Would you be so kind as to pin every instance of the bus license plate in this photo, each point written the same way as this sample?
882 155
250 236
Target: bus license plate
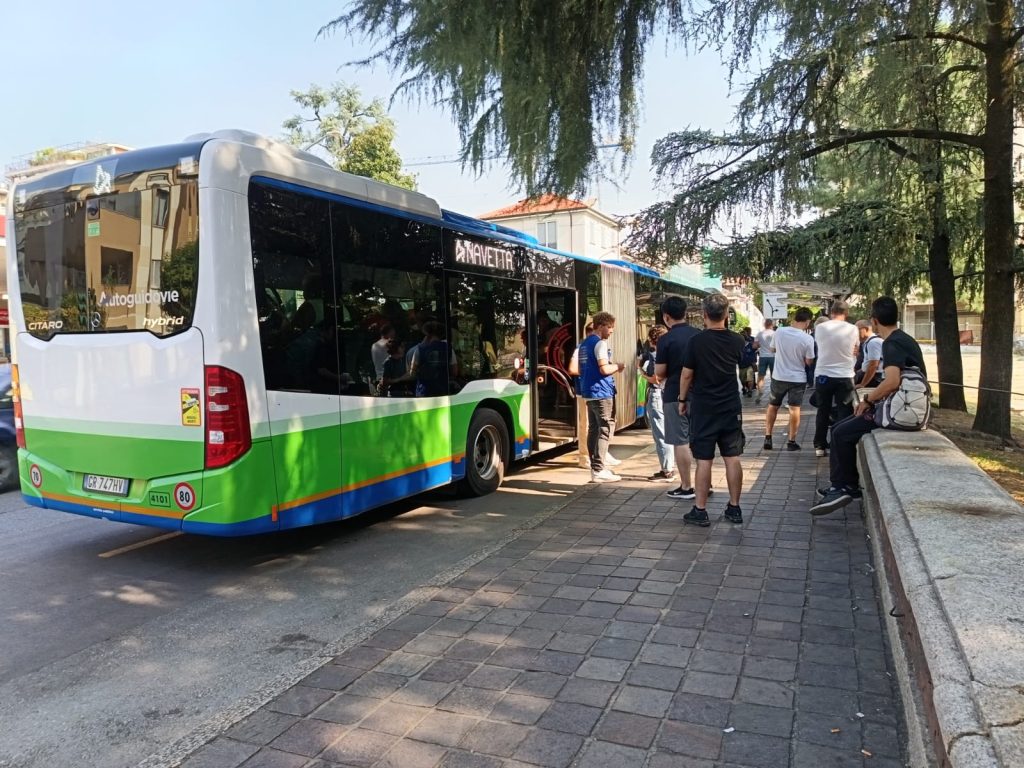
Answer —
114 486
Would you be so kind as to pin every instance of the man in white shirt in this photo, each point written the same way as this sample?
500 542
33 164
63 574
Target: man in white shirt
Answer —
837 341
794 349
379 349
766 355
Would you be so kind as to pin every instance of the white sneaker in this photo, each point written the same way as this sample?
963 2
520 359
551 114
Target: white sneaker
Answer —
820 452
611 461
604 476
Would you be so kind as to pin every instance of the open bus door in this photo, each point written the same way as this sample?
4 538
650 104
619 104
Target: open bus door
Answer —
552 338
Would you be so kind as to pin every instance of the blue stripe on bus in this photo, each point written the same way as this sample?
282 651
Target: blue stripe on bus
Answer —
256 525
337 507
640 411
359 500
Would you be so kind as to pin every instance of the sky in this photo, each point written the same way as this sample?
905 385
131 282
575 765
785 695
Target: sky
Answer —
145 74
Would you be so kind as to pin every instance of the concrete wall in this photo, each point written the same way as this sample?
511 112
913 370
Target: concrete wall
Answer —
951 545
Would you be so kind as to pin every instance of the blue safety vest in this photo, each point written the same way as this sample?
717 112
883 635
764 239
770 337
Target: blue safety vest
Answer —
593 383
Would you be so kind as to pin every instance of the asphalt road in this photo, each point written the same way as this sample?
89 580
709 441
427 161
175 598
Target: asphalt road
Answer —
119 641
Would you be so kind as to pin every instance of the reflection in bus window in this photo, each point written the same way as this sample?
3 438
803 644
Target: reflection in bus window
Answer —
385 275
487 317
291 256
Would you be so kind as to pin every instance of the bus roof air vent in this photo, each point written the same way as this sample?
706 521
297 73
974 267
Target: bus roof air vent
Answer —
263 142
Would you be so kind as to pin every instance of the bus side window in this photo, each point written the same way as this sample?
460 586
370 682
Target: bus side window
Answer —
384 276
294 277
487 315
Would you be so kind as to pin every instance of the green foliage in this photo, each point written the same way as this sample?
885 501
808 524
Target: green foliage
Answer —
540 84
934 82
44 156
356 136
371 153
178 272
872 246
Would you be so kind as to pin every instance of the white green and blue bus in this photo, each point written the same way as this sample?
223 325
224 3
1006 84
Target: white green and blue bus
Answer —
200 331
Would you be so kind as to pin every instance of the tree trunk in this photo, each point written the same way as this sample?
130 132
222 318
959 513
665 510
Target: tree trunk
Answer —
997 322
940 272
947 326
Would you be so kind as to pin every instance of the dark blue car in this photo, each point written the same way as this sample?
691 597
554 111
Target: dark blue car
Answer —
8 438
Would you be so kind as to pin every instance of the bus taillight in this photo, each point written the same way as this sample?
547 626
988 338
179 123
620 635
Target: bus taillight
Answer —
19 421
227 417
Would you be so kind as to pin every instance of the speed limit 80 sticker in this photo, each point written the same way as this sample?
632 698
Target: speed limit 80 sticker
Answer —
184 496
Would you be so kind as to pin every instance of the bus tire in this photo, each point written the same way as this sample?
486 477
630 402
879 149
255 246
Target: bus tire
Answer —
486 453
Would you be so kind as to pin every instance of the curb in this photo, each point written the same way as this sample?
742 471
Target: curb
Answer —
941 714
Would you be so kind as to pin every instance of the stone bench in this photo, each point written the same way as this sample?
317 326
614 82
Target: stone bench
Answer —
951 545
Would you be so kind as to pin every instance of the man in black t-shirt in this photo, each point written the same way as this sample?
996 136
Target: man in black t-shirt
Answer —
709 383
668 366
899 351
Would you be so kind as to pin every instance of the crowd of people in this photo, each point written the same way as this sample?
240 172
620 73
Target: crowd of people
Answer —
697 380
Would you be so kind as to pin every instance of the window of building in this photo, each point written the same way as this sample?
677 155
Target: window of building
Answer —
116 267
547 233
161 206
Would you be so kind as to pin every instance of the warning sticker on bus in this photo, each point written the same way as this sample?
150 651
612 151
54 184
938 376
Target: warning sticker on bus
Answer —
191 416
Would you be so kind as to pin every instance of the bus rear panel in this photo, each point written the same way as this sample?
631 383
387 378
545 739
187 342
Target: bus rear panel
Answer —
114 414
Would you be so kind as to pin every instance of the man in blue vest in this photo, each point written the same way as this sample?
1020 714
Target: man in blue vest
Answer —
597 385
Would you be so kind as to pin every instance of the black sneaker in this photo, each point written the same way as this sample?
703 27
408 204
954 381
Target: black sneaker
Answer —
662 477
835 499
733 514
682 493
792 445
855 493
697 517
767 442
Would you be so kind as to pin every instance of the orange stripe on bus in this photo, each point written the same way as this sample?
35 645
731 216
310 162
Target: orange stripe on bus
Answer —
85 501
362 484
151 511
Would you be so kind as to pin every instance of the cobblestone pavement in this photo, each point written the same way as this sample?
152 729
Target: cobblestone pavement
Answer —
612 635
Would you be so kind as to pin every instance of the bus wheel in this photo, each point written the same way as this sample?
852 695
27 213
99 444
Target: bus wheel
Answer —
486 453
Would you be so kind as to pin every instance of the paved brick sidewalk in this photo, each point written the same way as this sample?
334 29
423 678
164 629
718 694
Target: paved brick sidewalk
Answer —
611 635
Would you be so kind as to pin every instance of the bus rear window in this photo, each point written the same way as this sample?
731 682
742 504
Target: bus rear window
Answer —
122 261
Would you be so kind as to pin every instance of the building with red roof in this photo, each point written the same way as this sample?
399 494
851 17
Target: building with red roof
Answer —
564 223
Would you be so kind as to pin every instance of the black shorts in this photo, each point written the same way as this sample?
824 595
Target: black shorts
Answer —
793 392
708 430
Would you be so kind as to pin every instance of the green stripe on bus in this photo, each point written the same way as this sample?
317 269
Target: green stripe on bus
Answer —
116 456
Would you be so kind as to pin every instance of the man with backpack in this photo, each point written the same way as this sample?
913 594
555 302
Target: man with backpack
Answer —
868 369
901 359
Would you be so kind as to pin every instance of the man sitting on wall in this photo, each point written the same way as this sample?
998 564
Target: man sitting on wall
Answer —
899 351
